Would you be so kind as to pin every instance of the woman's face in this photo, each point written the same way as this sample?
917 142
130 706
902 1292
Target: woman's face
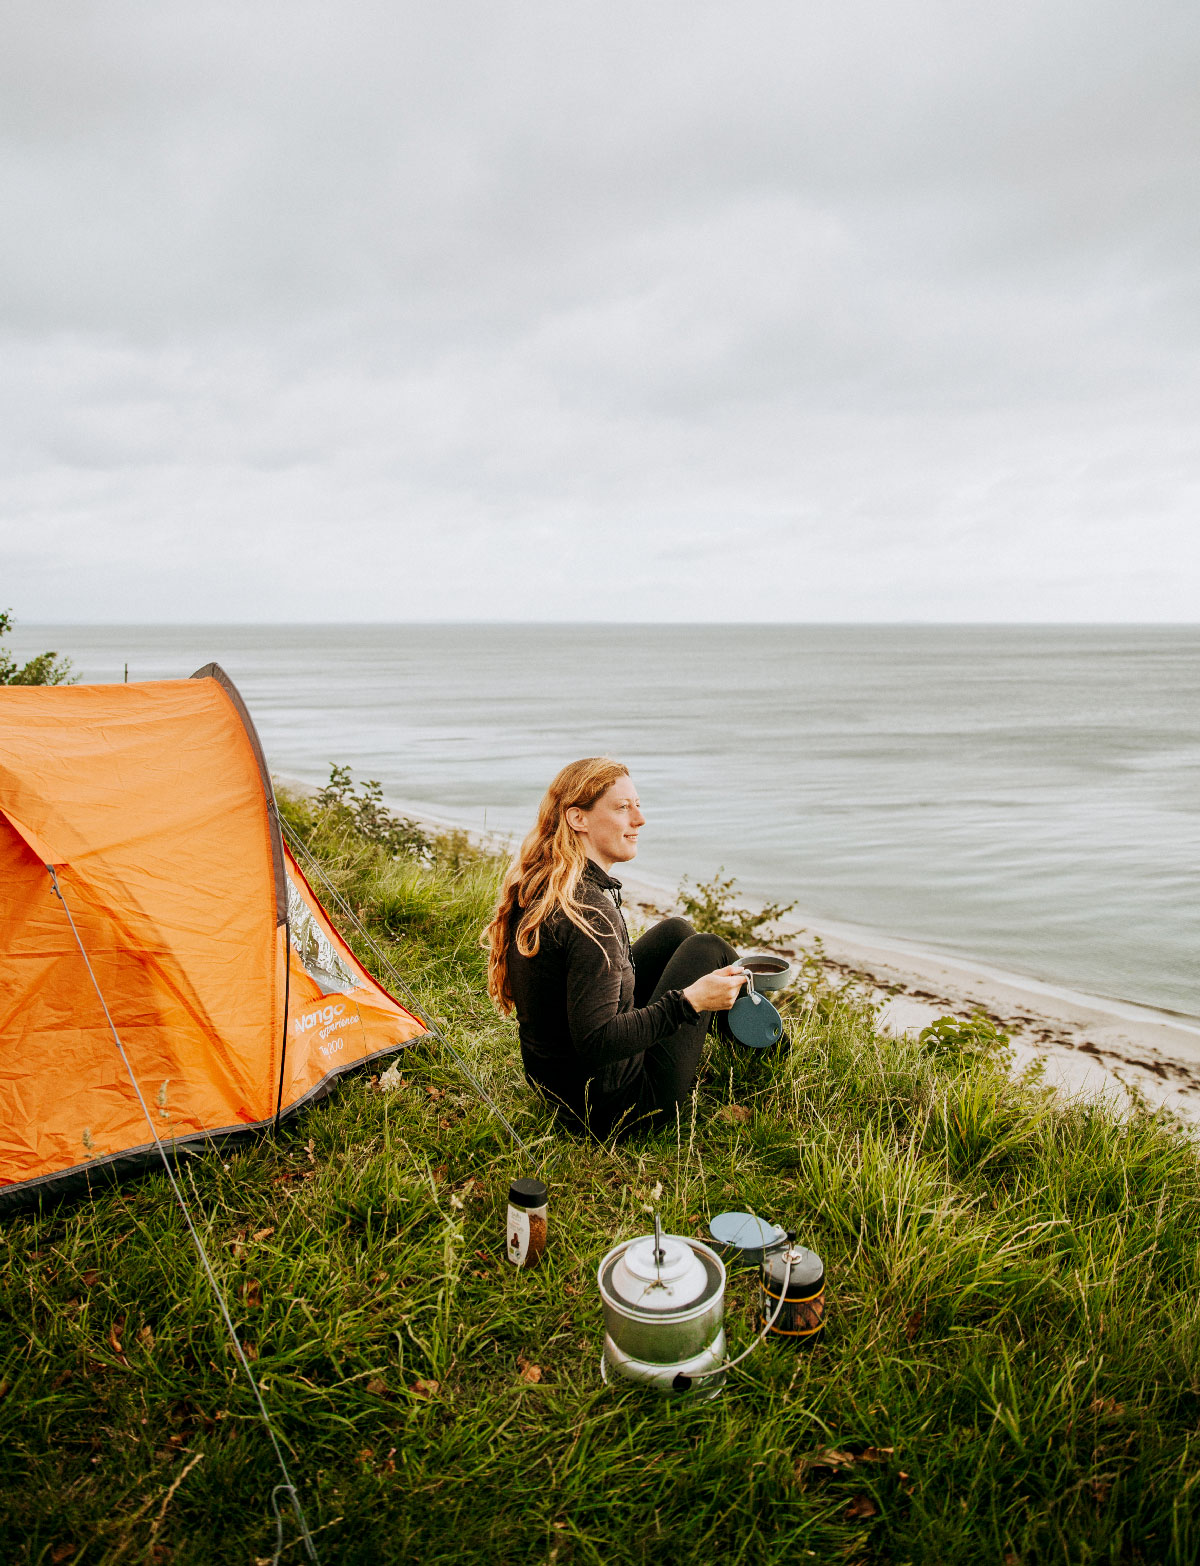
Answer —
609 830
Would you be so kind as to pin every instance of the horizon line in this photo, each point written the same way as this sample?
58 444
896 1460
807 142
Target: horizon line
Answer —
756 624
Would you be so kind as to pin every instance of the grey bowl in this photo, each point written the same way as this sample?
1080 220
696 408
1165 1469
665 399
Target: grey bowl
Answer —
771 972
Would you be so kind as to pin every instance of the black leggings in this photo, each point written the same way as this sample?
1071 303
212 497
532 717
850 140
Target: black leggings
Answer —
670 956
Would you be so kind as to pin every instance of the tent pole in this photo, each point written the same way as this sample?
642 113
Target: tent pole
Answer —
287 996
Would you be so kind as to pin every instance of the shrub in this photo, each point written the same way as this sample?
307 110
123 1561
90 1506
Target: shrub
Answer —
341 812
713 909
47 668
950 1038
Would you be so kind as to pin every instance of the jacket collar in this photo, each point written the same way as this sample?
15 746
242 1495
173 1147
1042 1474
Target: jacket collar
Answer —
593 873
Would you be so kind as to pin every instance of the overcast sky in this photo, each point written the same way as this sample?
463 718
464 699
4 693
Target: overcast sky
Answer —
682 311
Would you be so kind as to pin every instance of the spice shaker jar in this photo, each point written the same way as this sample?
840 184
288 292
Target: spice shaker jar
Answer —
526 1232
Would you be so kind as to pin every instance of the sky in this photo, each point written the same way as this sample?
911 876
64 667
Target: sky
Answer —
788 311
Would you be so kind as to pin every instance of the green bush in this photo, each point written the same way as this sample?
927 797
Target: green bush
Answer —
712 907
46 668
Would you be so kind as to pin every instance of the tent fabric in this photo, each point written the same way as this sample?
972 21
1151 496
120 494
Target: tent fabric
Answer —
235 998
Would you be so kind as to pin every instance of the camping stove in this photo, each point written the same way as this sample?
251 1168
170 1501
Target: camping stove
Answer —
664 1305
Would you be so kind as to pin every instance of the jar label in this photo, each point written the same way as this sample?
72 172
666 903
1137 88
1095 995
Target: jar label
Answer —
526 1235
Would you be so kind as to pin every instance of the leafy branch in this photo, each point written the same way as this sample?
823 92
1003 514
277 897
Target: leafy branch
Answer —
712 907
47 668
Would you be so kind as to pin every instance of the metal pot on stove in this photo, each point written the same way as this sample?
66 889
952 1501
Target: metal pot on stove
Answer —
663 1297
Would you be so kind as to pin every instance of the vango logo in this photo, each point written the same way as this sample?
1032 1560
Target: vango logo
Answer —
321 1018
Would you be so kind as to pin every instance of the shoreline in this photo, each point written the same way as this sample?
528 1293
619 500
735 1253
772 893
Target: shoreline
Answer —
1089 1045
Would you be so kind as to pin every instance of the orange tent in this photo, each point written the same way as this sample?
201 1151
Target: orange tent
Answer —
233 995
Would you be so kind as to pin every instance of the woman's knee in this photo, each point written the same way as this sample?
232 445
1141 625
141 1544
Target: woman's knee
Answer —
673 931
710 950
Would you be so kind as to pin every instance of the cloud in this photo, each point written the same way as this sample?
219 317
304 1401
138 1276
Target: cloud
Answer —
684 311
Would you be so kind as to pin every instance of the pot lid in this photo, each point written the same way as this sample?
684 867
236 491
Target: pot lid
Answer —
673 1279
754 1021
746 1232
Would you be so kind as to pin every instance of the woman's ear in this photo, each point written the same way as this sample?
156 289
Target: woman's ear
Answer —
576 818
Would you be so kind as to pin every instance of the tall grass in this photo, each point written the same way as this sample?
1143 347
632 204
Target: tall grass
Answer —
1010 1373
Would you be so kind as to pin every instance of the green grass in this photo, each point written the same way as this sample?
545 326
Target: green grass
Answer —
1011 1369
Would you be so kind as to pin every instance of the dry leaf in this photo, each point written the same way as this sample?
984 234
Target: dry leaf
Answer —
377 1386
5 1384
146 1338
263 1234
312 1142
252 1293
876 1454
527 1371
826 1457
1106 1408
456 1201
433 1092
860 1506
114 1335
733 1113
913 1325
366 1454
62 1552
425 1388
90 1278
250 1350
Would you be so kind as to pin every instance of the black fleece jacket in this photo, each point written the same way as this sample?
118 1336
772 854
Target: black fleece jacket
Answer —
582 1038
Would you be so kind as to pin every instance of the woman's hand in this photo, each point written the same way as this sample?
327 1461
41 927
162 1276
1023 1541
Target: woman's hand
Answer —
718 990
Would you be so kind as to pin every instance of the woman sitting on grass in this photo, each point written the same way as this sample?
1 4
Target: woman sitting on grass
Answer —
610 1032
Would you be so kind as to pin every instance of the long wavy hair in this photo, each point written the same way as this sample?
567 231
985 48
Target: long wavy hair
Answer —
545 873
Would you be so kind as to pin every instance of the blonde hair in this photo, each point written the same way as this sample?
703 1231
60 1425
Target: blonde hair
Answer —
545 873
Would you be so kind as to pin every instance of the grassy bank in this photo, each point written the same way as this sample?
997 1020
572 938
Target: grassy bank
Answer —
1010 1372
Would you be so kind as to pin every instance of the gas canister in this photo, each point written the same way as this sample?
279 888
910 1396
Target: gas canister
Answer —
792 1282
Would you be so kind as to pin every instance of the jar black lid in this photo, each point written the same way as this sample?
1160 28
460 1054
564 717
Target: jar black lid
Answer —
527 1193
801 1271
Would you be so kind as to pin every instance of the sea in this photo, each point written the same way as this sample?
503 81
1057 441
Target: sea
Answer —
1025 797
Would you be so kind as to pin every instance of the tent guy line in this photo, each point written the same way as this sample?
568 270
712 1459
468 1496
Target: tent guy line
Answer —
297 846
288 1488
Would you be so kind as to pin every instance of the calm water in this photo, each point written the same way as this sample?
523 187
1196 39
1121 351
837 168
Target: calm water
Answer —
1026 796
